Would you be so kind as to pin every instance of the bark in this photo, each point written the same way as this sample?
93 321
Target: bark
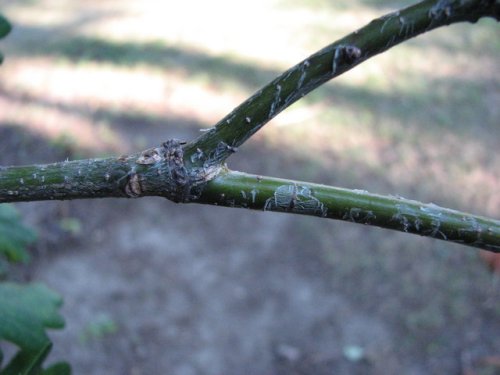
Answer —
236 189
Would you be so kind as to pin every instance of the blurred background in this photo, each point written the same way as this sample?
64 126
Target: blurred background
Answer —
152 287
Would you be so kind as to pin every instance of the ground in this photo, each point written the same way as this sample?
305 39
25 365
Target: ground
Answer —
154 287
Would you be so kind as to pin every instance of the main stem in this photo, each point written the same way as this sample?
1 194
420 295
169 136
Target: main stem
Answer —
158 171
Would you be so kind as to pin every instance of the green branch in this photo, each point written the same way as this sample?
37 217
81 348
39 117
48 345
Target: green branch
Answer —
157 171
378 36
193 172
236 189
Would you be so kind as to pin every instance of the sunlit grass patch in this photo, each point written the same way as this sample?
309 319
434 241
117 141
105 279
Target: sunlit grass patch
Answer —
51 124
155 56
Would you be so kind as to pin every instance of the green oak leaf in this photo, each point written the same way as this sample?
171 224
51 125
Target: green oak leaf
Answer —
14 236
25 313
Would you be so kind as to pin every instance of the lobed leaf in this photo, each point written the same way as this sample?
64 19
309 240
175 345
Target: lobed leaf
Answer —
26 311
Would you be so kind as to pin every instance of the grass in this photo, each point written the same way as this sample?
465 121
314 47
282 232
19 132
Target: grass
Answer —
156 55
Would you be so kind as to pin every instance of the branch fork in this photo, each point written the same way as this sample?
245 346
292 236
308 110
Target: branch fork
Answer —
196 171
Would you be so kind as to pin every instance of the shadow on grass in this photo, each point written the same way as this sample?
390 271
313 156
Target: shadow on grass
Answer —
20 146
153 54
131 125
438 106
457 97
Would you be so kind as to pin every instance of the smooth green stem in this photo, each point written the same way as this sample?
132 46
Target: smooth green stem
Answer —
346 53
92 178
236 189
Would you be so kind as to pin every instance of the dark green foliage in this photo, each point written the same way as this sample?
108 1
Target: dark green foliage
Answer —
26 311
26 363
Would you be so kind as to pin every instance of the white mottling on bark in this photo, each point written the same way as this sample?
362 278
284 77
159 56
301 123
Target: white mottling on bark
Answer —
276 101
